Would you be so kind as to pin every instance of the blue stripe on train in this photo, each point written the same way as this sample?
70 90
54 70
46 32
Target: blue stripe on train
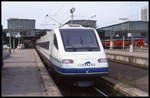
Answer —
75 70
81 70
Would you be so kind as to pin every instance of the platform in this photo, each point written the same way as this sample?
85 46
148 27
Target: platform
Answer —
138 58
128 77
23 74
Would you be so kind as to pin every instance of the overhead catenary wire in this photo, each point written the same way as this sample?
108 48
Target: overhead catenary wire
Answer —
60 9
52 17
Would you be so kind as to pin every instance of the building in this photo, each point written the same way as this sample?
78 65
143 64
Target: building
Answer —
21 31
138 28
85 23
129 30
144 14
25 27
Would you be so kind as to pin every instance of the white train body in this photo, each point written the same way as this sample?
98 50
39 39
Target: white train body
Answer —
74 51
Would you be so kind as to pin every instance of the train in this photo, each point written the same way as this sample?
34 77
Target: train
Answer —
118 43
74 52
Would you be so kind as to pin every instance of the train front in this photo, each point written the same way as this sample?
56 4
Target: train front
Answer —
83 57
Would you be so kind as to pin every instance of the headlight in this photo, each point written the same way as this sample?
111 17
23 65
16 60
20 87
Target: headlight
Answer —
67 61
102 60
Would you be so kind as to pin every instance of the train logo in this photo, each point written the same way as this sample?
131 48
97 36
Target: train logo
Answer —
87 71
88 63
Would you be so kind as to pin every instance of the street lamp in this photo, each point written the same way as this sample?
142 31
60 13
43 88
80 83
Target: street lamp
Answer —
123 29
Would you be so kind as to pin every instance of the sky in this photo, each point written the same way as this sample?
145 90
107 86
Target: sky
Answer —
107 13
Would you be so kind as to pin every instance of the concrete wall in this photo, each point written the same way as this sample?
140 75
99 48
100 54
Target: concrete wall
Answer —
131 60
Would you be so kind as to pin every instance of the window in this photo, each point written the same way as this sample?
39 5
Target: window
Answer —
79 40
44 44
55 42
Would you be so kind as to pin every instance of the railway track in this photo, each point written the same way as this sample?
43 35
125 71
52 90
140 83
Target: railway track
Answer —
100 92
67 89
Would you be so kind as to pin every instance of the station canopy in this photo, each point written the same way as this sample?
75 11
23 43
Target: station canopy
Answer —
129 26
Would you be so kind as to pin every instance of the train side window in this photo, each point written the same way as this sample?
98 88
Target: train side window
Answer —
55 42
44 44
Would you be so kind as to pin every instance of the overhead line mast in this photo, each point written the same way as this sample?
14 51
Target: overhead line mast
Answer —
72 11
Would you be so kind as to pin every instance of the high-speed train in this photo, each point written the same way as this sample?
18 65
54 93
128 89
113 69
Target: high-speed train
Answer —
73 51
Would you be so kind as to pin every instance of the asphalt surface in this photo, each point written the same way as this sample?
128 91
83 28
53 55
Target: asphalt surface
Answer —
20 75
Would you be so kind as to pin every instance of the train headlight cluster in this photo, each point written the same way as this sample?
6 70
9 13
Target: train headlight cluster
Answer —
67 61
102 60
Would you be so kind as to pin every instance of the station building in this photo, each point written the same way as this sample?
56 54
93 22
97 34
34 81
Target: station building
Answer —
128 29
85 23
138 28
145 14
22 31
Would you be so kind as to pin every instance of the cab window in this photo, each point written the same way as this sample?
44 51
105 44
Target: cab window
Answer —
55 42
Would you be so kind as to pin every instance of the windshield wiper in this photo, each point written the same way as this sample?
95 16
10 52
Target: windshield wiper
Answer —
88 48
73 48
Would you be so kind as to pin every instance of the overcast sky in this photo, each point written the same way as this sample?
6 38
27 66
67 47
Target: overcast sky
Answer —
107 13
